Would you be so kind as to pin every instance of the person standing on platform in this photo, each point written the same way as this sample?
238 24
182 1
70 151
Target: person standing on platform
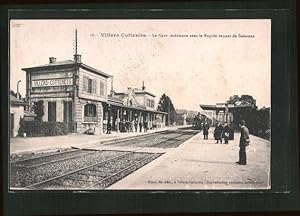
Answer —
109 125
132 126
128 126
205 130
218 133
226 133
244 142
123 126
135 125
145 126
140 125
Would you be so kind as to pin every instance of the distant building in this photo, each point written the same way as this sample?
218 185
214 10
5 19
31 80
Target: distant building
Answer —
17 107
135 104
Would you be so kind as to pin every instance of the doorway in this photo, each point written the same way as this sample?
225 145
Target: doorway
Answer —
52 111
68 114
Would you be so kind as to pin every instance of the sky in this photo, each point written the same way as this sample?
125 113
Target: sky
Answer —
203 68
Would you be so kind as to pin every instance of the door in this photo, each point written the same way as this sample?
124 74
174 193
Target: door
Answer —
68 114
52 111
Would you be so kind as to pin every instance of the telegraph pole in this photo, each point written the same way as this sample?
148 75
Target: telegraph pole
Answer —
169 111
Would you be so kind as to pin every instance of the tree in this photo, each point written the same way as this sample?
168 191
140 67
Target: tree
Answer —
243 100
38 108
165 105
244 113
257 120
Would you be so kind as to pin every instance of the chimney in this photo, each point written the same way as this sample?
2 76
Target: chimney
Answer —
52 60
77 58
143 87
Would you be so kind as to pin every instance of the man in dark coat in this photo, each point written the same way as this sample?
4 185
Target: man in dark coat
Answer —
244 142
109 125
226 133
141 125
145 126
218 132
205 130
135 125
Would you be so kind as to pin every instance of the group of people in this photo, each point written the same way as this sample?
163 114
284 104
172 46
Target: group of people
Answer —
222 132
129 126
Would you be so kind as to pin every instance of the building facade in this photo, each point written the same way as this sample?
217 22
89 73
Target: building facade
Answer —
135 105
77 94
72 92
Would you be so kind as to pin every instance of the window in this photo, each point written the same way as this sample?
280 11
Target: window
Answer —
90 113
89 85
150 103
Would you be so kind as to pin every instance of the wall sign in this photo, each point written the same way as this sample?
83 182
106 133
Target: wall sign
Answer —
52 82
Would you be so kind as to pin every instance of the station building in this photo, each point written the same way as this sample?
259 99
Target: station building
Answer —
223 112
134 105
77 94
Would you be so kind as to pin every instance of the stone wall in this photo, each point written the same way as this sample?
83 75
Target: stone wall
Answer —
18 112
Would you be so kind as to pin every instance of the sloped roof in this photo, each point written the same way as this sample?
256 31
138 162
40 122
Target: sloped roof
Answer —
67 63
215 107
141 91
16 101
29 114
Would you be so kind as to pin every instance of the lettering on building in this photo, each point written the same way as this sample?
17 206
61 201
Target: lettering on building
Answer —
52 82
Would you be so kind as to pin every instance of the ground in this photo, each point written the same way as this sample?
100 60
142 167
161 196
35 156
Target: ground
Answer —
196 164
202 164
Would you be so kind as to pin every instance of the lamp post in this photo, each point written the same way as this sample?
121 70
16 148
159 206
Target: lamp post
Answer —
18 94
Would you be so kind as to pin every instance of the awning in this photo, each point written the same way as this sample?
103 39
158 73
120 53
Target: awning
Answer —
136 108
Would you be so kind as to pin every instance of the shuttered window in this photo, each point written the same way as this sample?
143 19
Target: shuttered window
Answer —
94 86
90 85
85 84
102 88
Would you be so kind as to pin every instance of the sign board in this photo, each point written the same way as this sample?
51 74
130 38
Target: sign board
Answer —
52 82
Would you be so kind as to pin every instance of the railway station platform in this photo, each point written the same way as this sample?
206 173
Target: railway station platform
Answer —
21 145
199 164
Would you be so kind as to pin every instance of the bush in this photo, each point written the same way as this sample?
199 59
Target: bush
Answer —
39 128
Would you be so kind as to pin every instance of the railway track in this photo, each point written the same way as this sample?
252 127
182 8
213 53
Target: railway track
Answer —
51 158
99 175
81 169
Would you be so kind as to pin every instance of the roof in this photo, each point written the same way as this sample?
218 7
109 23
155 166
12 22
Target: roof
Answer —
216 107
116 101
140 91
67 63
16 101
208 107
59 63
133 107
29 114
